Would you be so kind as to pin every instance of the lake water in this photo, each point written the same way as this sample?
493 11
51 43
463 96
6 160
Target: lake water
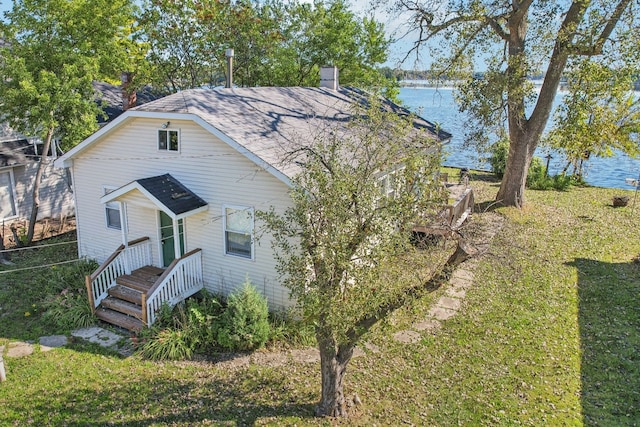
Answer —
437 105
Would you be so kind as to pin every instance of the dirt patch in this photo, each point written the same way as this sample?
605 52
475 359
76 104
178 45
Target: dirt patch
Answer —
45 228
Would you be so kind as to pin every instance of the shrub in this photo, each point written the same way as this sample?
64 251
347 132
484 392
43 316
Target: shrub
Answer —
179 332
537 178
201 316
288 329
244 325
498 158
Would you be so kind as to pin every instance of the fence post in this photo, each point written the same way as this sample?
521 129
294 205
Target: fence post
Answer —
3 373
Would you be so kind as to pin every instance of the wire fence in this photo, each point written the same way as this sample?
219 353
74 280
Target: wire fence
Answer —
35 267
24 248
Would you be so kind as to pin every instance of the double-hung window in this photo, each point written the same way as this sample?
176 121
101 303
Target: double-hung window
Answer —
112 211
168 140
238 231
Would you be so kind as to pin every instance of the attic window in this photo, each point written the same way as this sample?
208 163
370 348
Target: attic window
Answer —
168 140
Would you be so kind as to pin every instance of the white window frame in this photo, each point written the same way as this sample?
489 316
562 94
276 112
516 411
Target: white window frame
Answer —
114 206
227 251
167 148
12 194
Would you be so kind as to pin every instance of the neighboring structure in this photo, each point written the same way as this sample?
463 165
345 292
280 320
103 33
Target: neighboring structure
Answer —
19 158
197 164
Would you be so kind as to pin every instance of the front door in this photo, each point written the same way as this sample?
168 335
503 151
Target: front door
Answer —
167 239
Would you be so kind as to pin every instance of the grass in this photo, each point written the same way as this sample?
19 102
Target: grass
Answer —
548 335
23 294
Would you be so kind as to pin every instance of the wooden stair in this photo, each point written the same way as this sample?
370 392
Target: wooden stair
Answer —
123 306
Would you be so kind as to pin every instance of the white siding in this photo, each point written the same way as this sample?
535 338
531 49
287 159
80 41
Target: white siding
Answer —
56 196
206 166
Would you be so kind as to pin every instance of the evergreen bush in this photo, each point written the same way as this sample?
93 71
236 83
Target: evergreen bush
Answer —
244 325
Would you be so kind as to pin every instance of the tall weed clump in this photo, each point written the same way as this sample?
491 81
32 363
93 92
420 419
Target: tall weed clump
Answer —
244 325
67 304
178 333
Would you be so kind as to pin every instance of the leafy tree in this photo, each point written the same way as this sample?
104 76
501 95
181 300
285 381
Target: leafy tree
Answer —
329 33
599 114
343 245
519 38
53 51
276 43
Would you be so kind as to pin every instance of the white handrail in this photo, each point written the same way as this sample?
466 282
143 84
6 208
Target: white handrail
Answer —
182 279
137 255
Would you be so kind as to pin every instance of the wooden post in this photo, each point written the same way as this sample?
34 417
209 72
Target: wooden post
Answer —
92 303
144 310
3 373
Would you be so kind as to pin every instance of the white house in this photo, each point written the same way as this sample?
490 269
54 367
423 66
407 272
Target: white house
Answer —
196 164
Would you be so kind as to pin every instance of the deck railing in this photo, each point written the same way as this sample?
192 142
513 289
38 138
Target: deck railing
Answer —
450 218
124 260
180 280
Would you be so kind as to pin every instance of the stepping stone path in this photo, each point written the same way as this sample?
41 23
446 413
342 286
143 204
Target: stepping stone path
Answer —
96 335
461 281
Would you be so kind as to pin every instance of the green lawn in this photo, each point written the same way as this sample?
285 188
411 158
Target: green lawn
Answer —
549 335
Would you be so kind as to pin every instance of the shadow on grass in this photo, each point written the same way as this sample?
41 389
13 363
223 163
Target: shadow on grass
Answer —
609 320
178 395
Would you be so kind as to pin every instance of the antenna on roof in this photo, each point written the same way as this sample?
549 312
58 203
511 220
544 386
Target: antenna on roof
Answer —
229 54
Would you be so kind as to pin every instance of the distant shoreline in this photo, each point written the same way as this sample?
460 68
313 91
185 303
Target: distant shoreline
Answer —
452 84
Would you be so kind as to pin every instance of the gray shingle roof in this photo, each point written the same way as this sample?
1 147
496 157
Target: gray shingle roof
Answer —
271 122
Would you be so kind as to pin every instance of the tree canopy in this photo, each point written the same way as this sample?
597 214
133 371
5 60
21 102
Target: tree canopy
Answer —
276 43
519 38
53 51
344 246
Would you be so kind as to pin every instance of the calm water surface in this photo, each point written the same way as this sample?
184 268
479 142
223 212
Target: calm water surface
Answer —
437 105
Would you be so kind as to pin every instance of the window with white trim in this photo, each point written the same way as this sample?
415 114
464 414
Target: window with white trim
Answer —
7 195
238 231
112 211
168 140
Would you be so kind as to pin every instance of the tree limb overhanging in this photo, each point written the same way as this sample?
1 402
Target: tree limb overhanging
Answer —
536 34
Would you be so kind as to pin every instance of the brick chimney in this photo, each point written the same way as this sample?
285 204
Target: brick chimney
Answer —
129 96
329 77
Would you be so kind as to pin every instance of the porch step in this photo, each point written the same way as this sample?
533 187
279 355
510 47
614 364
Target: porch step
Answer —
126 294
122 306
148 271
119 319
141 279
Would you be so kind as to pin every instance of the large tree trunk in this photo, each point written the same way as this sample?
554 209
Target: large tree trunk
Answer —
524 134
35 196
511 192
333 366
